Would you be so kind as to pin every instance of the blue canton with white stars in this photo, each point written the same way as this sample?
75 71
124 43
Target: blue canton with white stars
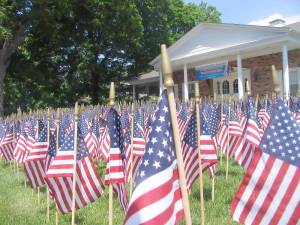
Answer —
190 136
251 111
115 133
137 132
160 149
42 132
210 119
52 145
282 136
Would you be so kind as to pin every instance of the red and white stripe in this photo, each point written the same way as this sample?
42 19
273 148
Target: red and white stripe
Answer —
7 147
59 178
104 145
253 133
191 158
156 200
20 152
34 165
114 168
269 193
139 145
243 152
235 128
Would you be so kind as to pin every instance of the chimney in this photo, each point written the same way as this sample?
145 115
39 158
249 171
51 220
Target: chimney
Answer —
277 23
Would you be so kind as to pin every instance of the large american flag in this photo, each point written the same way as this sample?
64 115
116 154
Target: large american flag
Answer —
59 176
156 198
34 165
270 190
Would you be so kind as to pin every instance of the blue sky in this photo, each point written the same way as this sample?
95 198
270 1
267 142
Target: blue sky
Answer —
245 11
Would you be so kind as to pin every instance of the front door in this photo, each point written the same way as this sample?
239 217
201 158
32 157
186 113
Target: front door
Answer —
228 85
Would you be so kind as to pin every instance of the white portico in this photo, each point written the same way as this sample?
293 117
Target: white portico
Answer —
238 45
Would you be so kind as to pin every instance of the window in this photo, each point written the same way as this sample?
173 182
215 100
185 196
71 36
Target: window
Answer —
191 89
218 88
294 82
246 88
235 86
225 87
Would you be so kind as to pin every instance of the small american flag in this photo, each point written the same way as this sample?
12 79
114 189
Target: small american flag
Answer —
34 165
254 129
7 143
270 190
183 120
156 198
115 167
139 141
59 176
114 173
20 152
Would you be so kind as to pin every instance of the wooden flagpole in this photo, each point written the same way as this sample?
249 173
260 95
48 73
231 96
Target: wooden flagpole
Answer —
48 141
228 143
74 162
131 149
36 137
112 95
222 102
57 150
197 98
169 83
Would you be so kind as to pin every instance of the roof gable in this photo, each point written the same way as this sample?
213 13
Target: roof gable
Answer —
207 37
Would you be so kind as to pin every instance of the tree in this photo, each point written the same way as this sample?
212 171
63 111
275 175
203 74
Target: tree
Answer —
62 50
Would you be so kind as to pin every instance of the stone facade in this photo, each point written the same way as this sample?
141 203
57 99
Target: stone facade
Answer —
260 72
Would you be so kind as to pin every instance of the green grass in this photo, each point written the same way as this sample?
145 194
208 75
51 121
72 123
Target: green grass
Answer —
18 205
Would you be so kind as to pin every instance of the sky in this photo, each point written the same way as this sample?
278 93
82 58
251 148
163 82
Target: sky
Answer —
258 12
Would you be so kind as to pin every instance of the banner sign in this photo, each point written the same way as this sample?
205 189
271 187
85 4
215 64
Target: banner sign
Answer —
211 71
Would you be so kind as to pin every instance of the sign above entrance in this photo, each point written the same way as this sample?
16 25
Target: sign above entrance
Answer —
210 71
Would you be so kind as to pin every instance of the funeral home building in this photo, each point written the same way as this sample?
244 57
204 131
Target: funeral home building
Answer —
223 57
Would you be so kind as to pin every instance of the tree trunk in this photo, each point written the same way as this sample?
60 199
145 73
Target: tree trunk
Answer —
8 48
2 75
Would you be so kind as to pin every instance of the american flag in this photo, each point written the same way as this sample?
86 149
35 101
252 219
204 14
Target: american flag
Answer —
156 198
243 151
114 173
139 141
7 144
253 130
59 176
20 152
235 128
51 150
183 117
270 190
90 137
115 167
34 165
126 131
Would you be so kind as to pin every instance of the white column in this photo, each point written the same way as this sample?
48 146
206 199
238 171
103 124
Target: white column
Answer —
240 76
161 83
285 70
133 92
185 82
147 90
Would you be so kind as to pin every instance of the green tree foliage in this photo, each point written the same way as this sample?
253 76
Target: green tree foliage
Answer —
68 49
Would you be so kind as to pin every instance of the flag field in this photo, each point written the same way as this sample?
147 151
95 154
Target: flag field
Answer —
18 205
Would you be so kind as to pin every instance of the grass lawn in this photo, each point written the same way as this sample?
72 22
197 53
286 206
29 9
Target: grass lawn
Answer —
18 205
